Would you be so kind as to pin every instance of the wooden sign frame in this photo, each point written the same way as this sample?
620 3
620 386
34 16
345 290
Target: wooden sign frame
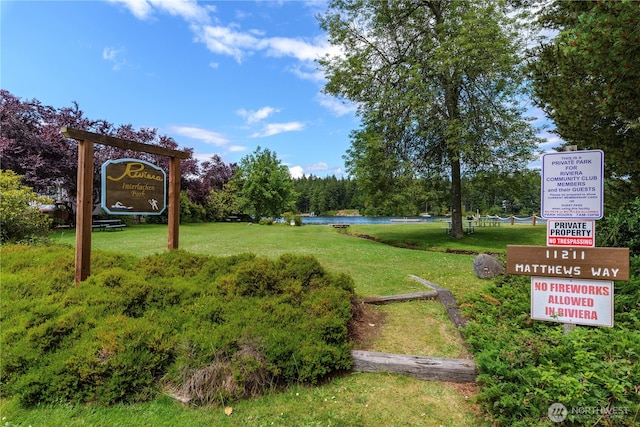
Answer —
138 188
84 203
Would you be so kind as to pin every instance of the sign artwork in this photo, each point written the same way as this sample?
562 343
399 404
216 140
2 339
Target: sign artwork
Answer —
133 187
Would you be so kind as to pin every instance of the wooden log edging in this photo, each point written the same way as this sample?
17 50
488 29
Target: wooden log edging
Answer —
446 298
421 367
399 298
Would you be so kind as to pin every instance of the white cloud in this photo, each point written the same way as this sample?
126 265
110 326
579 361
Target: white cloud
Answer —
203 157
114 56
308 71
206 136
226 41
257 116
320 166
239 44
296 172
140 8
336 106
236 148
297 48
189 10
276 128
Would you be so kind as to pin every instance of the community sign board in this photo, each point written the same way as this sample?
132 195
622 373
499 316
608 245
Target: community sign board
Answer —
572 184
133 187
579 301
570 232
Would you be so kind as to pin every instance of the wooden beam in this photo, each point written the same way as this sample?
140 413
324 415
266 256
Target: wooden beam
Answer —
173 208
400 298
83 135
84 210
446 298
421 367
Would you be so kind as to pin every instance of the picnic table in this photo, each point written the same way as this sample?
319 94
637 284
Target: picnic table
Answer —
108 225
467 225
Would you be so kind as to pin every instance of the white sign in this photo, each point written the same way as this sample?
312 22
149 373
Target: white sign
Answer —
572 184
577 301
568 232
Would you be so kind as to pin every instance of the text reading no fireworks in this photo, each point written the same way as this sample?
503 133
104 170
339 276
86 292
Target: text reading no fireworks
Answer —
572 184
133 187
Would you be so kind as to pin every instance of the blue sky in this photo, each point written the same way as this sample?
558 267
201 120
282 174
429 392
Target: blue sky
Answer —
220 77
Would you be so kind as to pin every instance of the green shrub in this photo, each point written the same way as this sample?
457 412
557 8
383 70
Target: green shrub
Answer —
526 365
20 219
292 219
212 329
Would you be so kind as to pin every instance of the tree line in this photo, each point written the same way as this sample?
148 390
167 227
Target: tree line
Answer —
490 193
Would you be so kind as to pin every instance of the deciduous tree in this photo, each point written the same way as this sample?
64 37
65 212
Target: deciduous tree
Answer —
32 146
437 82
264 185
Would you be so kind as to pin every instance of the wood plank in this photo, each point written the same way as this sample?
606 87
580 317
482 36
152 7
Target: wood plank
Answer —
569 262
84 210
421 367
400 298
112 141
447 299
173 208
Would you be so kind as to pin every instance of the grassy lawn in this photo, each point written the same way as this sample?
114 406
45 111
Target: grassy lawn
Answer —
354 399
377 269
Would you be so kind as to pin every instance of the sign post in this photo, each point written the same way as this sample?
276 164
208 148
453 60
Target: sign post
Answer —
85 188
572 281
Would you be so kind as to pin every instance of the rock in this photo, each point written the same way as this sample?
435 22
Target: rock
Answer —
486 266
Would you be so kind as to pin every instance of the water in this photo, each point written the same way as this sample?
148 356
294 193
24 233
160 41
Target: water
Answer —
354 220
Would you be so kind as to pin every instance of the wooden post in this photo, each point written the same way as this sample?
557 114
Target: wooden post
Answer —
84 210
174 202
533 219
